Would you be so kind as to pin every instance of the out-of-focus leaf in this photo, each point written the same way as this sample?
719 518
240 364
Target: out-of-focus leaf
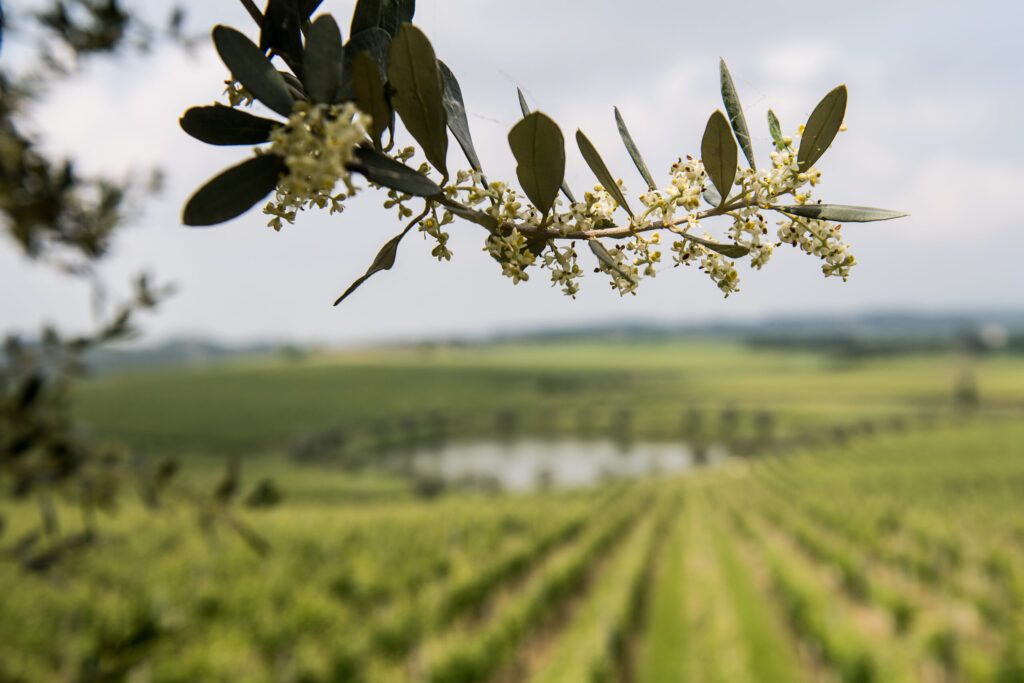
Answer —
539 149
385 171
376 43
455 107
711 196
634 153
322 62
735 111
525 108
384 260
281 30
601 252
234 191
406 10
841 213
775 128
252 69
719 153
220 125
418 93
384 14
821 128
600 170
369 94
730 250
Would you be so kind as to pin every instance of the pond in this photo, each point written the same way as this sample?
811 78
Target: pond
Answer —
527 465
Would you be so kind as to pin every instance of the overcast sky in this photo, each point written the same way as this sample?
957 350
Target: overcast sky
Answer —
934 130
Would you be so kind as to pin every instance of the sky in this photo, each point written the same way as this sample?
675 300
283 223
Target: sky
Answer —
934 130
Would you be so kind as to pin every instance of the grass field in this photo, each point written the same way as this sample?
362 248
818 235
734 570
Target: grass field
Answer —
896 554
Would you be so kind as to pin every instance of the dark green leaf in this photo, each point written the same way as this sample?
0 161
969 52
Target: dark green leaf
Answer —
775 128
369 94
384 260
418 94
841 213
322 62
634 153
281 30
605 258
309 6
455 107
474 216
234 191
252 69
525 108
366 15
597 165
822 127
406 11
376 43
719 153
730 250
539 149
220 125
732 106
385 171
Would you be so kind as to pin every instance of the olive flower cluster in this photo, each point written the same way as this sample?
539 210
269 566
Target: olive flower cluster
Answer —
316 144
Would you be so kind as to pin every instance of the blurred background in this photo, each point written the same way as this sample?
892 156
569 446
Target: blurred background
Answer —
450 478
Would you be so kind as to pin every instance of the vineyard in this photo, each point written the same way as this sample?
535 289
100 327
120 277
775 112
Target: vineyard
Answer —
894 554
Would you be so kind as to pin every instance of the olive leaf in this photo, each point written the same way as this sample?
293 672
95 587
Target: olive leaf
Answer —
322 61
821 128
369 14
730 250
840 213
384 260
234 191
416 79
406 10
634 153
376 43
719 153
525 108
474 216
711 196
597 165
775 128
605 258
732 106
384 170
220 125
281 30
455 107
539 149
252 69
370 96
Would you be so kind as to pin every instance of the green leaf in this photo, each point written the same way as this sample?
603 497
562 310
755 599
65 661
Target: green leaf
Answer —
234 191
385 171
719 153
322 62
252 69
597 165
711 196
388 15
281 30
418 94
840 213
634 153
455 107
525 108
730 250
376 43
732 106
384 260
605 258
474 216
775 128
822 127
220 125
539 149
369 95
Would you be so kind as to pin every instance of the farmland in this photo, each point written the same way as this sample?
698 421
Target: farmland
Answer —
876 533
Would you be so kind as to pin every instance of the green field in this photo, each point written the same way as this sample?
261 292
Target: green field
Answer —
880 538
